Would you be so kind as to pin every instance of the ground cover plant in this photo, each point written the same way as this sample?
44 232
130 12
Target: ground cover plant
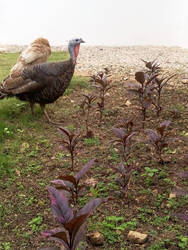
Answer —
31 156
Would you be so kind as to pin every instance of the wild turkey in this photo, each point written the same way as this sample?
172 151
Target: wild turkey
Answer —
43 83
37 52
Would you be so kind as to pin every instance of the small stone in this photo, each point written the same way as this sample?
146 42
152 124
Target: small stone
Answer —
137 237
172 195
96 238
24 146
91 182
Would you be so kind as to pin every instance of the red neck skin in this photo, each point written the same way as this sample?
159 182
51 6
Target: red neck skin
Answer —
76 50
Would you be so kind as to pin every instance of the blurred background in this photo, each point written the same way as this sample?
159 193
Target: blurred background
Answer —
98 22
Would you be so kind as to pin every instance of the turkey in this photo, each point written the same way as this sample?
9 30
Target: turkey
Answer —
43 83
37 52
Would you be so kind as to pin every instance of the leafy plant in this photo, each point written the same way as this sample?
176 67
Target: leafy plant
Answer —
159 139
71 183
88 101
145 92
160 83
149 173
154 69
127 124
124 140
124 180
112 227
73 223
101 82
35 223
70 144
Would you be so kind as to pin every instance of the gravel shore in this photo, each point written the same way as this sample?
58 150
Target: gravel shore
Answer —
126 60
122 61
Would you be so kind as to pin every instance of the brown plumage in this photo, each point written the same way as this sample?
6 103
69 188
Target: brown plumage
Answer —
37 52
42 83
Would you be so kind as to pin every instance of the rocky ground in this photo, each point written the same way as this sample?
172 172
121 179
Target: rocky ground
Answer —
122 61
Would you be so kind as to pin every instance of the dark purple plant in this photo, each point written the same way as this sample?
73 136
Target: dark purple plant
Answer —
154 69
159 138
145 92
102 83
124 140
72 183
183 174
73 223
127 125
88 101
182 216
70 143
124 180
160 83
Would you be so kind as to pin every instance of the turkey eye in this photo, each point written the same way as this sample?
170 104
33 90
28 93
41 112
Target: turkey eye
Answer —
76 40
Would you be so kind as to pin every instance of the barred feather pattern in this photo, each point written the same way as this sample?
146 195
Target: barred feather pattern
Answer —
54 78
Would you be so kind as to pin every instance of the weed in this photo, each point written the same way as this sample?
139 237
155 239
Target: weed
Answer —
92 141
5 246
149 173
35 223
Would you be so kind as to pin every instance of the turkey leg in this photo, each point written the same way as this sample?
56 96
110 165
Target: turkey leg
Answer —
47 116
32 107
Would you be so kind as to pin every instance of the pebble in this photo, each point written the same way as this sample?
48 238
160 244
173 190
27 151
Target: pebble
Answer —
137 237
122 61
96 238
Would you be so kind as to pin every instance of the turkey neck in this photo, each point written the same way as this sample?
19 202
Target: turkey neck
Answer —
73 51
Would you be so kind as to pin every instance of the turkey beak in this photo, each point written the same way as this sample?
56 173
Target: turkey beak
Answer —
82 41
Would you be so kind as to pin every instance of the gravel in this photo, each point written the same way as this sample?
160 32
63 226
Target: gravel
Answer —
126 60
121 61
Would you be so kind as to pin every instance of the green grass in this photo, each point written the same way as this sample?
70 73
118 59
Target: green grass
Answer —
30 157
16 120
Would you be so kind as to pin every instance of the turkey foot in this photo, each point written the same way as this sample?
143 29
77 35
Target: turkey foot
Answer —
47 116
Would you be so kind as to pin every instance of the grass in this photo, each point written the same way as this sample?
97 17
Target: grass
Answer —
31 156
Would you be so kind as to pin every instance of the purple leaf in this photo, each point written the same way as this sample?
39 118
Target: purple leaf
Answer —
64 131
180 192
152 135
147 103
60 206
84 170
119 132
121 168
131 135
58 235
68 178
59 182
165 124
78 237
90 207
75 223
182 216
183 174
139 76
